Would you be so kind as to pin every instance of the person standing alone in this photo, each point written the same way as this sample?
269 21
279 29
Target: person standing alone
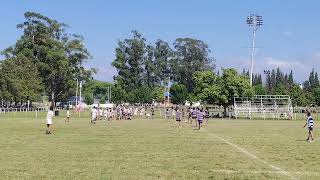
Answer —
49 120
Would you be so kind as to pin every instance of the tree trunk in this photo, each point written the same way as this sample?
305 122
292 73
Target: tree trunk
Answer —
225 110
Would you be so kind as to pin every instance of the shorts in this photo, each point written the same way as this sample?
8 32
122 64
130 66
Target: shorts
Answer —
178 120
49 121
194 117
310 128
200 121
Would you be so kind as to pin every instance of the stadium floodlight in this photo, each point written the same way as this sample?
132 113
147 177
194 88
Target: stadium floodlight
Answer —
266 72
254 21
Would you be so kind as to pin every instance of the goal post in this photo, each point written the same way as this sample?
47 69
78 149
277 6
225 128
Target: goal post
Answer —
263 107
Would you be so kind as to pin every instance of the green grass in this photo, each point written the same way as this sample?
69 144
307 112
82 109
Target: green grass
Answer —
153 149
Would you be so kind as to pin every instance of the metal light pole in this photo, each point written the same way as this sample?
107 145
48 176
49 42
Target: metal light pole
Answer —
254 21
77 93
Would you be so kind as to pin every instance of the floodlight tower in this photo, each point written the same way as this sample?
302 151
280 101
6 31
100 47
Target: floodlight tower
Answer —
254 21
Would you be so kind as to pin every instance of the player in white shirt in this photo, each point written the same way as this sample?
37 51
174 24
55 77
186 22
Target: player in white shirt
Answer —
49 120
68 115
94 115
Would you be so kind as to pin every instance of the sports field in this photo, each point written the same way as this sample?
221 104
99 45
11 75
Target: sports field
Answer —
153 149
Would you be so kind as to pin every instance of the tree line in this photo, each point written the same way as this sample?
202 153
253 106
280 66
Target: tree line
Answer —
279 83
47 60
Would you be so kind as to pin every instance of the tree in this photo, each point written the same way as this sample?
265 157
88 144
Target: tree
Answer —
129 61
316 94
158 93
98 89
19 80
298 97
179 93
88 98
206 87
290 78
191 55
102 100
57 55
259 90
232 85
273 80
163 56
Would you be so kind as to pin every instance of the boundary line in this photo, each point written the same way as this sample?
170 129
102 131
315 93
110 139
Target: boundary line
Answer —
278 169
264 172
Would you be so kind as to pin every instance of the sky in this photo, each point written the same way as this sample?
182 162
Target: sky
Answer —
289 37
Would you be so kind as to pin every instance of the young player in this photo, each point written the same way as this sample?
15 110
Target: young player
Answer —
49 120
194 116
94 115
68 115
173 112
200 118
310 123
152 113
167 114
189 114
178 118
207 115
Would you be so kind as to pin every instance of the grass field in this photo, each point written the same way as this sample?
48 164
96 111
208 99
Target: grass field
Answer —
153 149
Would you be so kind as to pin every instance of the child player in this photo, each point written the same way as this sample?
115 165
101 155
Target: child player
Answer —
68 115
94 115
178 118
49 120
200 116
310 123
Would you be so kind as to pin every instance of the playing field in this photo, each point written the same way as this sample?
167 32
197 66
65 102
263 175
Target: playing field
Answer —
153 149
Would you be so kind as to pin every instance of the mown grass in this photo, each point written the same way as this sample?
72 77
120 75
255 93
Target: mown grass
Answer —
153 149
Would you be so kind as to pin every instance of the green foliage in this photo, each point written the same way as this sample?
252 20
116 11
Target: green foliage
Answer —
141 65
158 94
58 56
190 55
143 95
233 85
88 98
298 96
179 93
102 100
259 90
316 95
19 80
206 86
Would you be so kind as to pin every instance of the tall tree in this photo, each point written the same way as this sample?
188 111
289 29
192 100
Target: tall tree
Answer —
290 78
206 88
129 61
58 56
163 60
233 85
191 55
19 80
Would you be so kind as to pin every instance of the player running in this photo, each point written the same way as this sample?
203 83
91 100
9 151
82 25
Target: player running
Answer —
94 115
200 116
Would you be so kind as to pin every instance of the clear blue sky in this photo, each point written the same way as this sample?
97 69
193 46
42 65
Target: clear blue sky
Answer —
289 37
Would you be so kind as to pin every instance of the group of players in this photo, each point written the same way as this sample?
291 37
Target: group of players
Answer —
118 113
195 115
